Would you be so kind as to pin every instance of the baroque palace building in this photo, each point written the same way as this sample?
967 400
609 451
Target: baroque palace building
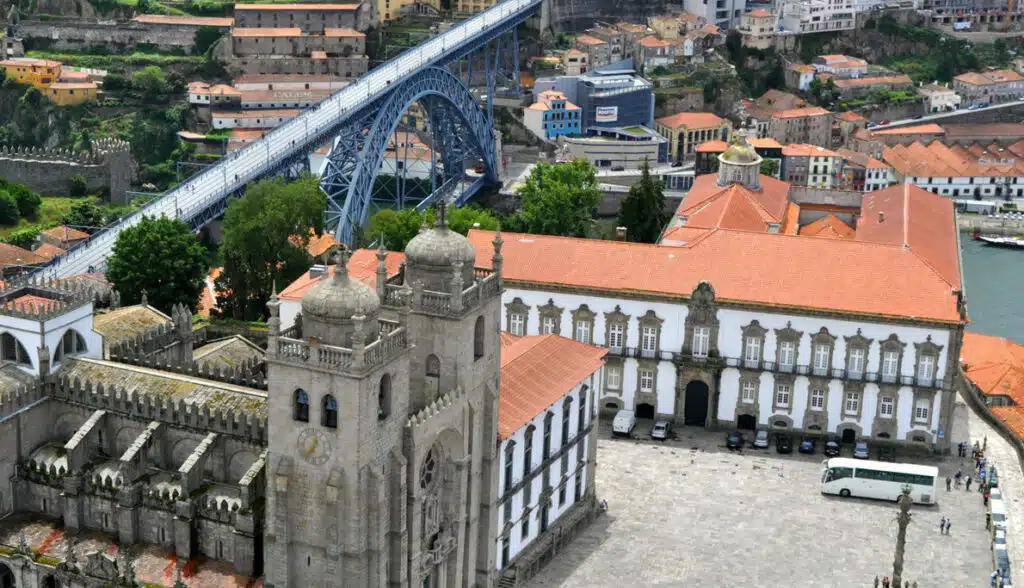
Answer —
743 317
388 435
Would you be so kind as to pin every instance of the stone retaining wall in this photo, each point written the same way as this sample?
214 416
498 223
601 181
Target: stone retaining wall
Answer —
988 225
109 167
115 35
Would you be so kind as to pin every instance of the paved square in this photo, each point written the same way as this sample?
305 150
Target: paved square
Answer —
690 513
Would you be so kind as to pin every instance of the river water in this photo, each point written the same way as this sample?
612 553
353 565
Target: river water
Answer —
995 289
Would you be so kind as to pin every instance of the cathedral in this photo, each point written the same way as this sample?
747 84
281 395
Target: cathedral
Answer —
368 441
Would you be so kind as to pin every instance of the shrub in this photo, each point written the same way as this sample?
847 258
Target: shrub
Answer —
23 238
28 201
77 185
8 209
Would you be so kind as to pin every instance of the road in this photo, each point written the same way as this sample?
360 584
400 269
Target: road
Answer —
938 116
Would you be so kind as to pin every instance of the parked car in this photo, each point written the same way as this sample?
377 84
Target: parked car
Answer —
807 445
677 164
918 117
992 478
870 125
761 439
999 538
886 454
734 440
624 422
783 444
618 168
832 447
885 122
660 430
861 450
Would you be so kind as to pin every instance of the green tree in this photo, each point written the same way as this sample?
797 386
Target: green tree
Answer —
151 81
265 236
23 238
712 89
769 167
399 226
84 214
205 38
642 212
559 199
161 257
9 214
824 93
734 47
77 186
28 201
114 81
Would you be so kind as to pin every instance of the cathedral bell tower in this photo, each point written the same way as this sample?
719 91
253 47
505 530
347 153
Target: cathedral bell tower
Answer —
337 408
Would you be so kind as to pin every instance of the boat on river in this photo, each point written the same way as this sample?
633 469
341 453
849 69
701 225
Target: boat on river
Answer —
1001 241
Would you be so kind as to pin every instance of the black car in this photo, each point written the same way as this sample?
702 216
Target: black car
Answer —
886 454
734 440
832 448
784 444
807 445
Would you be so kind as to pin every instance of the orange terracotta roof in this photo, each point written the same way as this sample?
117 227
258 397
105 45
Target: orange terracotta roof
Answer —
800 67
708 205
537 371
900 79
914 219
267 32
712 147
48 251
994 364
759 13
940 160
30 63
34 304
318 244
805 150
830 226
862 159
67 75
830 208
73 86
914 130
629 27
66 233
199 21
850 116
653 42
984 78
691 120
791 224
681 235
342 32
588 40
296 7
1013 416
362 266
772 270
798 112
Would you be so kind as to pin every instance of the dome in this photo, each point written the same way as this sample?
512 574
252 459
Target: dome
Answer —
740 153
440 246
339 296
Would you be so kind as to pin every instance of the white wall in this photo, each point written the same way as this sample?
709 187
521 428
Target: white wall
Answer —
31 335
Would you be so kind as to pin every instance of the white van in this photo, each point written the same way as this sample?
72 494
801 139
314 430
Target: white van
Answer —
624 422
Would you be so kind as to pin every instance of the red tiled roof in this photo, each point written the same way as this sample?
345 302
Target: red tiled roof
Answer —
994 364
48 251
66 233
34 304
914 130
296 7
199 21
773 270
691 120
798 112
362 266
1013 416
538 370
805 150
266 32
208 296
759 12
712 147
342 32
850 116
708 205
14 255
681 235
830 226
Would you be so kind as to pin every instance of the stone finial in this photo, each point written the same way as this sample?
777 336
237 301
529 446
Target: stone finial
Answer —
341 269
145 299
496 259
382 270
441 222
23 545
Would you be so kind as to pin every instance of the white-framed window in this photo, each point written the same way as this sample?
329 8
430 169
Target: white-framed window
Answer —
926 368
822 351
787 354
547 325
856 364
885 406
890 364
752 350
749 391
701 341
782 396
515 323
613 377
852 402
921 409
582 333
647 380
817 399
616 333
649 340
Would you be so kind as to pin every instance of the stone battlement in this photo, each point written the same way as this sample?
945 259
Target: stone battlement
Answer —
11 401
108 165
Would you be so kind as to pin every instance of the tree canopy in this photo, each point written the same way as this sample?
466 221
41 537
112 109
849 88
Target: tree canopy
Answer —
84 214
161 257
399 226
642 212
266 232
558 199
151 81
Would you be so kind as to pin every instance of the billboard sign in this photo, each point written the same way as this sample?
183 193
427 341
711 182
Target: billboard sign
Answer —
606 114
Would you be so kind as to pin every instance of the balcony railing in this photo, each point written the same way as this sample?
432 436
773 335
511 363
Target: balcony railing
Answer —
807 370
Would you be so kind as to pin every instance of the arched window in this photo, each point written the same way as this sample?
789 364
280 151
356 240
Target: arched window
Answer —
329 414
510 454
478 338
566 413
581 419
12 350
384 397
528 450
70 344
301 406
433 366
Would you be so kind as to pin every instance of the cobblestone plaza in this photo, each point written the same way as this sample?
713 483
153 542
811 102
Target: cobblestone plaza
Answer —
690 513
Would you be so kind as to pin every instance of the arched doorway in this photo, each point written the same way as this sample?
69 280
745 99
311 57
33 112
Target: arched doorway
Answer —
645 411
6 577
50 582
849 435
747 422
696 411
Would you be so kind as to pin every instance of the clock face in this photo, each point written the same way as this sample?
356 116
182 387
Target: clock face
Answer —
314 446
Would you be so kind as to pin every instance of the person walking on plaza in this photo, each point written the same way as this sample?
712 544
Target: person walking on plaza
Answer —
987 493
992 578
942 524
949 523
968 483
949 482
885 582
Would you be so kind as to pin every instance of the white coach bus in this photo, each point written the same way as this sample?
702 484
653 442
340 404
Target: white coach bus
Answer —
880 480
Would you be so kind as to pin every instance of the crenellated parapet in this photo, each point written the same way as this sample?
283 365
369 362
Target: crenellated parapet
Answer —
109 164
232 421
437 407
11 401
39 299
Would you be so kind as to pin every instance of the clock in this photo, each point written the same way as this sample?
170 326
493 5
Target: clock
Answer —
314 446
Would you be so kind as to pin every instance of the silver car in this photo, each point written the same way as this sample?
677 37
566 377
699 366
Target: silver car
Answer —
861 451
660 431
761 439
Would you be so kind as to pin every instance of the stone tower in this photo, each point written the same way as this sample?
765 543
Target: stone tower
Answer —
337 408
740 163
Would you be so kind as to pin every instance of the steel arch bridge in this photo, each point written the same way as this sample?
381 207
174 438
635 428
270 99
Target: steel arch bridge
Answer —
357 121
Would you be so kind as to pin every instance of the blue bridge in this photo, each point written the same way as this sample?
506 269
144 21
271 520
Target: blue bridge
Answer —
359 122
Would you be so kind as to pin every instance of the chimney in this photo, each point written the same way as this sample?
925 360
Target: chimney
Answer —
881 216
620 233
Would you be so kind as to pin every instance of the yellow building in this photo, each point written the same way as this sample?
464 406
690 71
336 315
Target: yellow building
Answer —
68 93
389 10
40 73
686 130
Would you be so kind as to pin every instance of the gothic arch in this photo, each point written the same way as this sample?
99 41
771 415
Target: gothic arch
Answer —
12 349
124 438
71 342
66 425
238 464
181 450
355 158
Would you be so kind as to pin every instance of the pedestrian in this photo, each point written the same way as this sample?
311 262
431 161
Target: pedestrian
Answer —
942 524
885 582
949 523
968 483
986 497
992 578
949 482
